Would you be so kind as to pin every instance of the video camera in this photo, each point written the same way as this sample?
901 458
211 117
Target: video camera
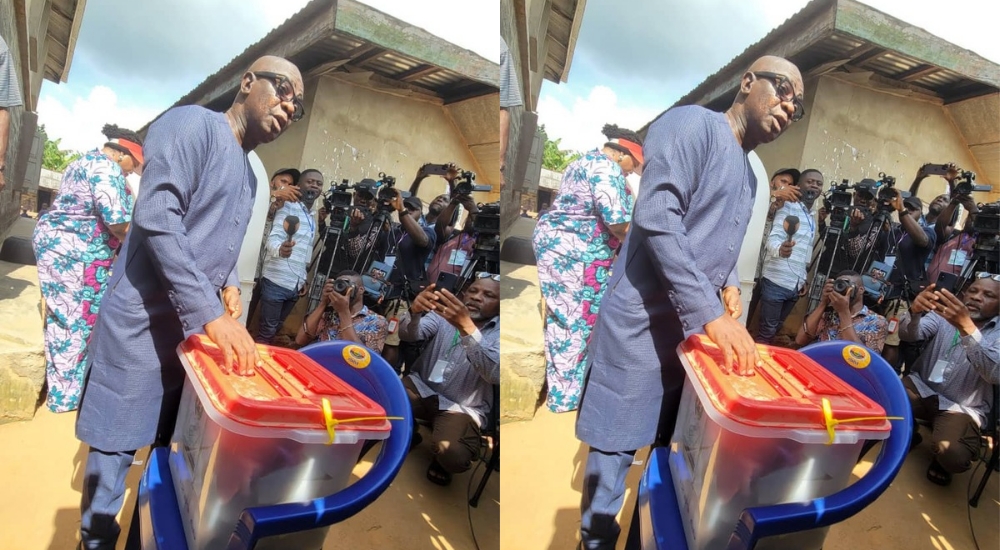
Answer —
487 221
464 184
965 184
886 193
386 192
337 201
837 202
987 221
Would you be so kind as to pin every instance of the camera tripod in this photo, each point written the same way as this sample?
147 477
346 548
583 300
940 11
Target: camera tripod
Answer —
323 262
984 257
823 260
485 257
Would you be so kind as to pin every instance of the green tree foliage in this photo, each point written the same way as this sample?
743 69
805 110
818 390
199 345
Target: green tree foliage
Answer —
554 158
54 158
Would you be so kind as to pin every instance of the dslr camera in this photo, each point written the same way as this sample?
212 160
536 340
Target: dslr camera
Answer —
386 192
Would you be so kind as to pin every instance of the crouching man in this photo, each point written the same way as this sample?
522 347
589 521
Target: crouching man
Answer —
451 385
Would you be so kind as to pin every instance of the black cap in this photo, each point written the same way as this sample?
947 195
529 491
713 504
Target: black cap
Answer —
914 202
414 203
866 186
291 171
366 186
791 171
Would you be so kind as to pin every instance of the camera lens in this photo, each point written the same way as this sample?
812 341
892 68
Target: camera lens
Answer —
341 287
841 287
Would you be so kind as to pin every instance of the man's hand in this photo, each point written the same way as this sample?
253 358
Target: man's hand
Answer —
285 250
731 299
788 193
857 216
426 301
897 201
357 216
235 342
953 172
340 303
453 172
842 304
736 343
785 250
968 203
231 298
468 203
287 193
822 213
455 312
925 301
955 312
322 213
397 202
827 290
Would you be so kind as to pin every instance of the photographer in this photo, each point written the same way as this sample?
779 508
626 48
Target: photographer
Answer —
343 298
289 249
451 255
361 237
863 241
956 246
450 172
951 383
843 301
452 381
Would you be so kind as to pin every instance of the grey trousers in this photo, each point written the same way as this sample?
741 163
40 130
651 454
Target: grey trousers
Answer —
103 495
603 495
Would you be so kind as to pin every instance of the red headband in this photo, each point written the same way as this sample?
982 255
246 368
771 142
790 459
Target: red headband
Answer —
634 149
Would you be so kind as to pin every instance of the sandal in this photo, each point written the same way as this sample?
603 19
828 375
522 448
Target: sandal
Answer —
438 475
938 475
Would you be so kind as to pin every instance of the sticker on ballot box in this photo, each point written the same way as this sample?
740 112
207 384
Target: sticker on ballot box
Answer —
857 357
357 356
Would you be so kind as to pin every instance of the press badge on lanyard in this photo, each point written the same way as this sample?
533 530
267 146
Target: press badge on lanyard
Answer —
440 366
457 257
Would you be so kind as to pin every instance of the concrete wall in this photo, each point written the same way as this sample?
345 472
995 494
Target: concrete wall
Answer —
353 132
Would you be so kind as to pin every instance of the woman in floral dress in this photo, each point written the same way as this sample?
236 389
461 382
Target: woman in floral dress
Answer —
575 243
75 243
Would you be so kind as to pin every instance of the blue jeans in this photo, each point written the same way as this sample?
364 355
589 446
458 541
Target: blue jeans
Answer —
776 303
276 302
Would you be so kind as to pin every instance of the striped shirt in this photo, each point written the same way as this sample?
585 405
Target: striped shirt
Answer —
10 90
460 370
290 272
510 90
790 273
970 364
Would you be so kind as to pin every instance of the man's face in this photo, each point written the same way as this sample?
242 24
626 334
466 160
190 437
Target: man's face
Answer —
311 181
811 183
771 103
438 204
782 180
282 180
482 298
864 201
275 91
364 200
938 204
982 298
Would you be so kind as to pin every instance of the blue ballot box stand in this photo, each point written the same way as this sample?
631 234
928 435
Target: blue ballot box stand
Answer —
660 518
159 514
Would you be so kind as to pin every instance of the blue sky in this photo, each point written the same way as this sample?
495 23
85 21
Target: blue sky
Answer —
135 58
635 59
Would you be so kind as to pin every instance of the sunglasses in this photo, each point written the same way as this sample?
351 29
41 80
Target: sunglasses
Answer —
487 275
785 91
986 275
285 91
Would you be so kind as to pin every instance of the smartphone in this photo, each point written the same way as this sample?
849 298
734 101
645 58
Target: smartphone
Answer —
436 169
936 169
448 281
947 280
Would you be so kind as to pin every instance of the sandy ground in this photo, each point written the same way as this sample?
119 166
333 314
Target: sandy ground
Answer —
42 472
543 474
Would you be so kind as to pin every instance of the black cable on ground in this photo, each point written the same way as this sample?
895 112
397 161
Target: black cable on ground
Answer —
468 505
968 495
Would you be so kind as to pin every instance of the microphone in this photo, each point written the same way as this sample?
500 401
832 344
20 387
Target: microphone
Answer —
292 226
791 226
810 194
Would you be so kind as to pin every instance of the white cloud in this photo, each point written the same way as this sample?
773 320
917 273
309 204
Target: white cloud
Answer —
79 122
579 126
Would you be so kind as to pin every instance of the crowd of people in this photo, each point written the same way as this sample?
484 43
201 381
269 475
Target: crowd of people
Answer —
653 273
125 279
